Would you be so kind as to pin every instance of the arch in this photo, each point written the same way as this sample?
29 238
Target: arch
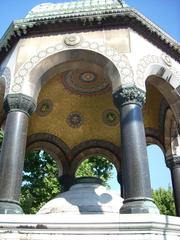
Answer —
157 161
5 79
89 148
115 65
159 71
171 135
53 145
152 65
154 137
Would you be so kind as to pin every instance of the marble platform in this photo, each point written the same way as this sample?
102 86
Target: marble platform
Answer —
89 226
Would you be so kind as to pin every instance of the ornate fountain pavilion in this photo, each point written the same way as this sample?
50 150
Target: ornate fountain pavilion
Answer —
90 77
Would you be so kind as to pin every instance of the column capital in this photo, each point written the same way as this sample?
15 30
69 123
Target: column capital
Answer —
19 102
127 95
173 161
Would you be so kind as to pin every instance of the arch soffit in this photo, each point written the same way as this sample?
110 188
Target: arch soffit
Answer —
90 148
116 65
154 137
171 135
54 146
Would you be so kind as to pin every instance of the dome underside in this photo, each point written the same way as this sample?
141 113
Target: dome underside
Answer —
80 7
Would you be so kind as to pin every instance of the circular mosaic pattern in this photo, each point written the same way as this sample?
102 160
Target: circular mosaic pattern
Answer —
75 119
110 117
88 77
44 107
85 83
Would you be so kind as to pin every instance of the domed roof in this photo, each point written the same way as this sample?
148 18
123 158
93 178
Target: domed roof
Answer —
86 196
73 8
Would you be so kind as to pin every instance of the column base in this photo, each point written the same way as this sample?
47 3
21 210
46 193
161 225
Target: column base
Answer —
10 207
139 205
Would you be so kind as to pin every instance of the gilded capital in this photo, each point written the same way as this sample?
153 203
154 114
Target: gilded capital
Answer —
128 95
19 102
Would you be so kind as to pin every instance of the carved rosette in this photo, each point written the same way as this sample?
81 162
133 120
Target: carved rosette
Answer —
129 95
19 102
173 162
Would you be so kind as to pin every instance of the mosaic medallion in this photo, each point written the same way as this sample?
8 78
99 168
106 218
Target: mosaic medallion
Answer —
44 107
85 83
110 117
75 119
88 77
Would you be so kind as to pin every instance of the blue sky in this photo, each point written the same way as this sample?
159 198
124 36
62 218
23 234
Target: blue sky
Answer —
165 13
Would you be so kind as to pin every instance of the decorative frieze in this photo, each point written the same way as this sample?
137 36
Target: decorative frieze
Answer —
162 63
120 61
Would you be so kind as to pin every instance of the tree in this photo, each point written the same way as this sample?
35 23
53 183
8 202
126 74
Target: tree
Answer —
164 201
40 178
1 136
40 182
96 166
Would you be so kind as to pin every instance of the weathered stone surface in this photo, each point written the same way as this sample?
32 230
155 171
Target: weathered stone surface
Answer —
94 227
84 198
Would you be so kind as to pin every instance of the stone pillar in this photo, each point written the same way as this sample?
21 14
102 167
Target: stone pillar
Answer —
135 169
173 163
18 107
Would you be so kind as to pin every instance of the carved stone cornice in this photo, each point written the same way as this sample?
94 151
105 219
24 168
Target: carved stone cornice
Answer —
124 16
19 102
173 161
128 95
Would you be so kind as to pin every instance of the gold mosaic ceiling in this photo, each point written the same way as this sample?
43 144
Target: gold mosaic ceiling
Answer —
76 105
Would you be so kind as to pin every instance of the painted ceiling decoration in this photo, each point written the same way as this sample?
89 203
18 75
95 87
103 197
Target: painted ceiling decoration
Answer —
85 83
75 119
44 107
111 117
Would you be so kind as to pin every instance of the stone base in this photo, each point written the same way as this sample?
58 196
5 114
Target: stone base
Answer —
136 205
7 207
92 227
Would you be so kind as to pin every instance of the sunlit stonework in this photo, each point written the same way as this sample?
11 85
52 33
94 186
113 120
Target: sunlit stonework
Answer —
81 79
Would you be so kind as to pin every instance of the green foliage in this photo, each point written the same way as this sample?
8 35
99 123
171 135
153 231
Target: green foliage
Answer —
96 166
164 201
1 136
40 182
